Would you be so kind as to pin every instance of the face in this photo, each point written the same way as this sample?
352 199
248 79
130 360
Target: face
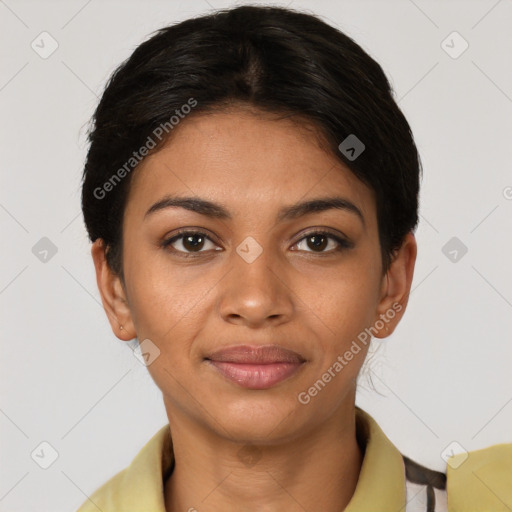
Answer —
250 271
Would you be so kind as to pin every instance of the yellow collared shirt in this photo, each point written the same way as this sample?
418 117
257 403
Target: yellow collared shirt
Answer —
388 482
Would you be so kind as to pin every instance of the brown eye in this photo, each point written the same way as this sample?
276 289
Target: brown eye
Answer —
318 241
188 242
193 242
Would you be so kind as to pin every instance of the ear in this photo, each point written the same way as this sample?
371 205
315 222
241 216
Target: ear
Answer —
395 290
113 294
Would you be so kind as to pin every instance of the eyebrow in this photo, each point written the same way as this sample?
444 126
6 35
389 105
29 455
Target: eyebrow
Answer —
291 212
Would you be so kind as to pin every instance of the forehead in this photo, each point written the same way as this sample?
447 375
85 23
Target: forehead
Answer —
246 160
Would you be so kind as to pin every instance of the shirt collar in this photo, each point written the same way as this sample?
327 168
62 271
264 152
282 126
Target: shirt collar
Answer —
381 483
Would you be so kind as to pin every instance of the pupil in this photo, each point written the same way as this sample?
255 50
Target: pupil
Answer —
189 240
319 245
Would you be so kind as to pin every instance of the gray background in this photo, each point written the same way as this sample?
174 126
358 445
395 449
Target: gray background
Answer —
443 376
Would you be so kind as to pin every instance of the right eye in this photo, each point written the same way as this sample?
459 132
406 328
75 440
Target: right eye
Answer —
188 242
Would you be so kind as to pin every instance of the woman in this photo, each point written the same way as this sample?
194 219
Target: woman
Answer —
251 192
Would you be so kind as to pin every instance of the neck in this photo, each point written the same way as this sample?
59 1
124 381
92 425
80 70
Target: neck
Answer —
316 471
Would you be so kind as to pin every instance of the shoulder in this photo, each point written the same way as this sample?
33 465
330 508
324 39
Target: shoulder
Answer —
106 497
477 480
139 486
481 479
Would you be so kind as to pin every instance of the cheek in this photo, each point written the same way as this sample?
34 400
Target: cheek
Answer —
346 306
167 308
164 299
344 299
341 311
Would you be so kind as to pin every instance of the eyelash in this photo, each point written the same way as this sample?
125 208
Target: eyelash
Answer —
342 243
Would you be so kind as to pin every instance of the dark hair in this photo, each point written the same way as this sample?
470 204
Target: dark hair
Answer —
273 59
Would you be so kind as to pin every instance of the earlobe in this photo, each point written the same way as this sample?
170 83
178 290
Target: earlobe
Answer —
112 294
396 288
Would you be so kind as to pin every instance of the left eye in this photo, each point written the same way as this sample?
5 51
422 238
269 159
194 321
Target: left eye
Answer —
319 240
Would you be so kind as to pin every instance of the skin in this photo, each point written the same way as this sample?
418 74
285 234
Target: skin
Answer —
313 301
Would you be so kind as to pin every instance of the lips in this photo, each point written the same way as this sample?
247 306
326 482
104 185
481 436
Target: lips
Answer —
246 354
256 367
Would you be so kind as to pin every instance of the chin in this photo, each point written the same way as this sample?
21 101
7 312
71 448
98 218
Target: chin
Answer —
263 420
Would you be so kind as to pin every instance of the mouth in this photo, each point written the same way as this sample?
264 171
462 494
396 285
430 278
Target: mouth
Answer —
256 367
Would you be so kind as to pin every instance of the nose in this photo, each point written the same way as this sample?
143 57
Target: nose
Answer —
255 293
